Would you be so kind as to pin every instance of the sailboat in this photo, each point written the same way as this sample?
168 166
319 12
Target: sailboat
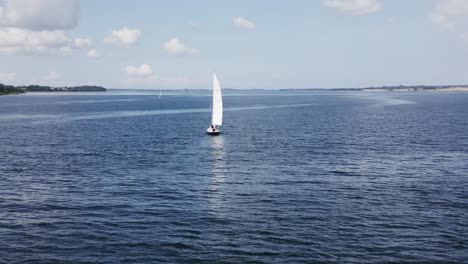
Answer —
160 93
217 114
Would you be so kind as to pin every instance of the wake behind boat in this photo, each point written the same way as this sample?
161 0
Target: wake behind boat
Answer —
217 110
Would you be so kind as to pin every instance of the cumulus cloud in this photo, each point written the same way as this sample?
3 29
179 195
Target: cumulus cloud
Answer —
7 77
24 41
193 25
142 71
451 15
82 43
391 20
354 7
38 27
40 14
125 37
243 23
175 46
53 76
93 54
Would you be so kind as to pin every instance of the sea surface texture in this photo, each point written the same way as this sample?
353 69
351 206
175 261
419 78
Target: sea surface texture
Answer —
295 177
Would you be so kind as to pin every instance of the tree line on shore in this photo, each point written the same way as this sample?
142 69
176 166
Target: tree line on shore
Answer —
10 89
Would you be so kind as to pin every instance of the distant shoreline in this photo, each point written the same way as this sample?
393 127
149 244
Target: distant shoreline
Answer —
15 90
12 90
445 88
401 88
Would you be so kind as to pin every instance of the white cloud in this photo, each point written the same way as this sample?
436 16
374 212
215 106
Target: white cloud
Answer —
464 36
37 27
451 15
142 71
391 20
40 14
7 77
139 75
174 46
193 25
53 76
354 7
125 37
82 43
24 41
94 54
243 23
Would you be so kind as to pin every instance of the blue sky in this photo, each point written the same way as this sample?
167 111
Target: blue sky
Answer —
249 44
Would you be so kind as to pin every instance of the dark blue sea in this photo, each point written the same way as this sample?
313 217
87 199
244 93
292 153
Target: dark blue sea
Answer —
295 177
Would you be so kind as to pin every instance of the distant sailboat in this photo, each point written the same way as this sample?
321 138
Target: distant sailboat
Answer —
217 114
160 93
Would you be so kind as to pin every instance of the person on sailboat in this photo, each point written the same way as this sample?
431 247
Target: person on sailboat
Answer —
212 128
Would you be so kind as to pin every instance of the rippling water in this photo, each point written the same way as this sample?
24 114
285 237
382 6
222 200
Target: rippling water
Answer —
294 178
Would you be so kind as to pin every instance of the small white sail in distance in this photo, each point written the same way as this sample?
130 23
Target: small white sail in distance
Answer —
217 115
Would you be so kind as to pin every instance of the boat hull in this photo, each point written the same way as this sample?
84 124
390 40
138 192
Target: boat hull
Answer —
213 132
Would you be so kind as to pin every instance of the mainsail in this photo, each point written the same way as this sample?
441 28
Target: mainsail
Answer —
217 117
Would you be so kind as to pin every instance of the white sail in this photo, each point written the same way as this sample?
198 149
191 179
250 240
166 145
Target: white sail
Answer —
217 117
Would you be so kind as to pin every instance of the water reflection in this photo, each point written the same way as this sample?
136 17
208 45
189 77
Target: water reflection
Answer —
218 172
